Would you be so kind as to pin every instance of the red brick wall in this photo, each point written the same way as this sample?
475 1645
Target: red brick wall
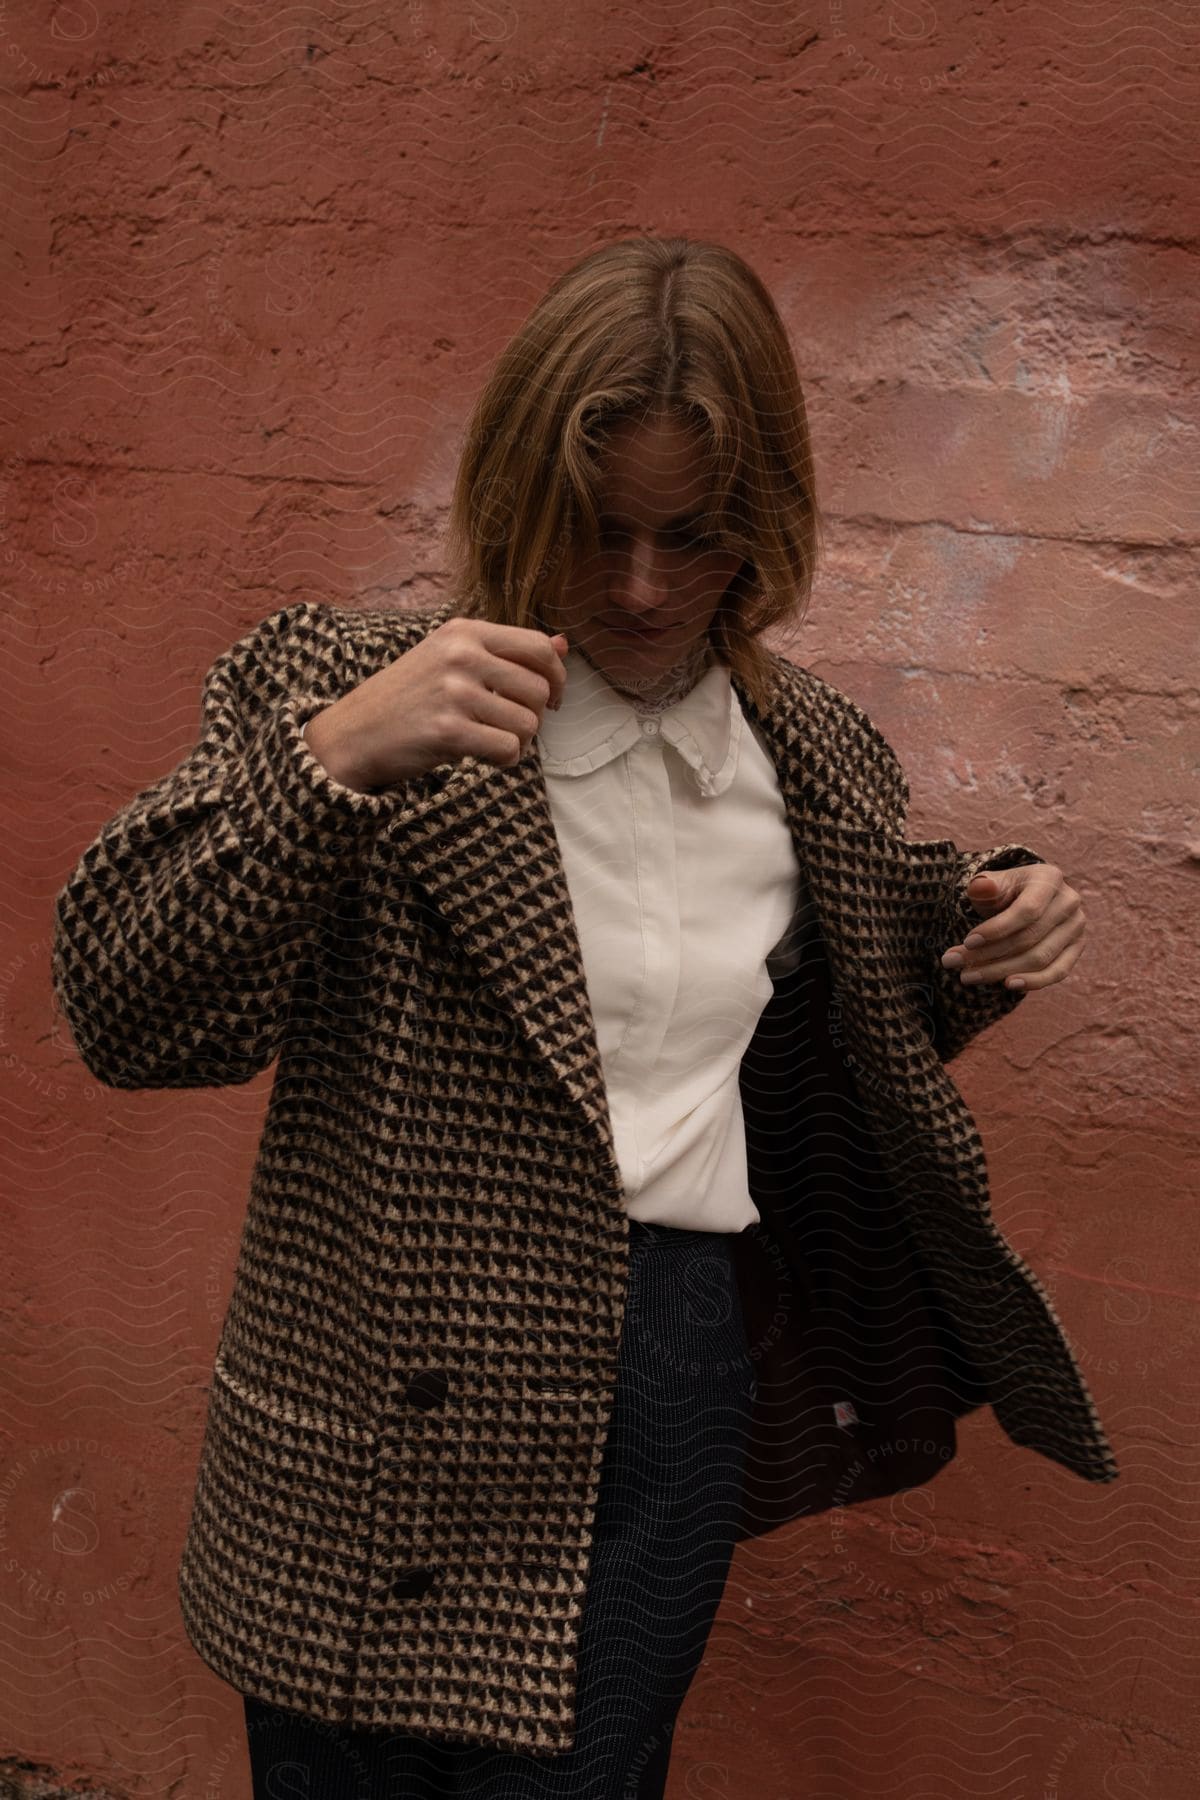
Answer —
256 262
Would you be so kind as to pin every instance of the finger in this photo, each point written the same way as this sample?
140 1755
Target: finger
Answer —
558 680
1033 949
1024 910
1045 964
1025 981
987 942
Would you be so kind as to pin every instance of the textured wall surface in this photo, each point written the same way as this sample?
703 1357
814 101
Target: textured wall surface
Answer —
256 262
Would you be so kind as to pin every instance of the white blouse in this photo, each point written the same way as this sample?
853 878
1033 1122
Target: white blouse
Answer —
684 881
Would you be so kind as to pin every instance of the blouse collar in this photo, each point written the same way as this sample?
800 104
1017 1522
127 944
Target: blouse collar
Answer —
597 723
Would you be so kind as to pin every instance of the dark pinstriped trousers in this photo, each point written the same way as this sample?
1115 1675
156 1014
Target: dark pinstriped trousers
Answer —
670 1483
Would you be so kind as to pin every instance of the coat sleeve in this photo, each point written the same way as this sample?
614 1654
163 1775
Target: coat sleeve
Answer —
959 1013
177 937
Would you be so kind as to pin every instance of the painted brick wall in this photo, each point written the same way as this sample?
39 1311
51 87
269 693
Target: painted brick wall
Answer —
256 263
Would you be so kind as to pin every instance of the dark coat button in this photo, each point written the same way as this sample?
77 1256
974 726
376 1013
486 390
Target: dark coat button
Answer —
413 1583
427 1389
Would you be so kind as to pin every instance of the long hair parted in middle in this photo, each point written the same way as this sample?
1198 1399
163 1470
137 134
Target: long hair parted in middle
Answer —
647 325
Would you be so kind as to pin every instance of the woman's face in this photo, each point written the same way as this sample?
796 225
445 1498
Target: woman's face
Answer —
638 607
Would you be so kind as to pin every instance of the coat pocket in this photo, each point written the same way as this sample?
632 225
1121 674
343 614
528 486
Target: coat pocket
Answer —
291 1492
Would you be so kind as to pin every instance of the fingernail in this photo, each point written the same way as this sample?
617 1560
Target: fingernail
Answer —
975 938
952 959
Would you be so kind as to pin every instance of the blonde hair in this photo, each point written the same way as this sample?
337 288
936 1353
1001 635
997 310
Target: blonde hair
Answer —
640 327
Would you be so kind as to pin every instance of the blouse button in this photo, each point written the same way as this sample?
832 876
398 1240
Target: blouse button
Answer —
650 727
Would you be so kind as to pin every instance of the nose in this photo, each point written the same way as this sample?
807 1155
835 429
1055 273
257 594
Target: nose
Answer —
640 584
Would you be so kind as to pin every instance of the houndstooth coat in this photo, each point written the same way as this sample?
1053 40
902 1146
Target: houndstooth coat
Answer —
416 1371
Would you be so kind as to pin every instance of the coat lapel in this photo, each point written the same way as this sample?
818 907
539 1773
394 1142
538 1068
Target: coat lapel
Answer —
481 841
483 845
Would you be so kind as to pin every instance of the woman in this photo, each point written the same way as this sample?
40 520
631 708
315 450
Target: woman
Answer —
513 890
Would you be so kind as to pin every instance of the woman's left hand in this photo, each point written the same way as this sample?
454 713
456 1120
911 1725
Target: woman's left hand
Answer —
1032 930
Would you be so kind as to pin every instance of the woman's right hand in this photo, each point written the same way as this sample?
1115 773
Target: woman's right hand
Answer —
471 688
